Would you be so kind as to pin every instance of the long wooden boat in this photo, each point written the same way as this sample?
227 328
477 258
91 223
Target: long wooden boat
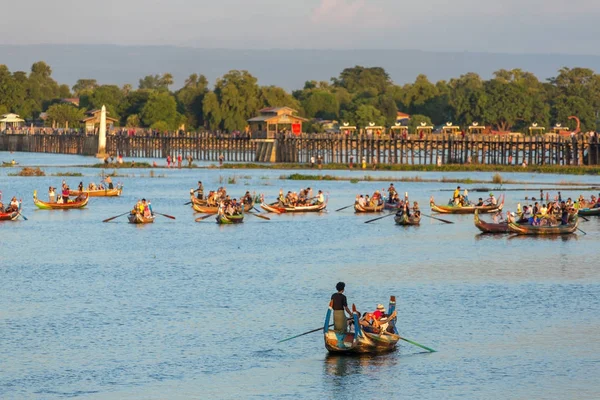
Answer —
9 164
489 227
368 209
139 219
62 206
224 219
213 210
466 209
361 340
276 208
404 219
526 229
587 212
98 193
11 216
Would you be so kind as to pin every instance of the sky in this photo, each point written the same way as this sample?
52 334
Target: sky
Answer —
505 26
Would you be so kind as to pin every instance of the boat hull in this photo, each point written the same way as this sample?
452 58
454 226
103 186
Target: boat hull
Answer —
203 208
56 206
9 216
98 193
368 209
274 208
138 219
223 219
542 230
466 210
487 227
349 343
588 212
406 220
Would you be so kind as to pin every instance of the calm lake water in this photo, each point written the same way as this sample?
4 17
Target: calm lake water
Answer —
181 310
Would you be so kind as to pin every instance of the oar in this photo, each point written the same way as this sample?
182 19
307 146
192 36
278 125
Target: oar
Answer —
439 219
165 215
584 218
255 209
189 202
343 208
375 219
203 217
22 216
116 216
581 231
302 334
258 215
417 344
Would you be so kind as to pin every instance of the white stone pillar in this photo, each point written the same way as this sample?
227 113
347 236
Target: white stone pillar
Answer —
102 133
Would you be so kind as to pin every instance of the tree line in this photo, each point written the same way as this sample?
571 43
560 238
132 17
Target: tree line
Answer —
510 100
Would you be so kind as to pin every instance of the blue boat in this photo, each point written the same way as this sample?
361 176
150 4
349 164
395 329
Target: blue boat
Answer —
361 339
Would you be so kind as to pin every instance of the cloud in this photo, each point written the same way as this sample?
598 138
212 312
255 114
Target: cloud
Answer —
339 11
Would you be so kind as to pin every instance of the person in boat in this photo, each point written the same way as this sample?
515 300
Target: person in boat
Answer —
466 196
524 217
392 193
480 202
147 211
65 192
79 198
340 304
492 200
320 199
281 198
361 201
416 210
247 199
80 187
456 193
60 200
498 217
536 208
13 206
51 195
199 191
2 211
108 181
543 210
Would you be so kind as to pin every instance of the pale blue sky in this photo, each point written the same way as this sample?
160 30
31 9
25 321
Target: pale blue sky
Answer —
512 26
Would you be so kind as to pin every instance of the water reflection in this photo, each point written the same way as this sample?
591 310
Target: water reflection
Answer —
360 364
551 238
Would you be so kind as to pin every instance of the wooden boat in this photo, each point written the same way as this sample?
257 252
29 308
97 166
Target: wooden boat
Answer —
466 209
56 206
206 209
98 192
391 206
9 164
139 219
489 227
526 229
404 219
11 216
276 208
361 340
368 209
587 212
224 219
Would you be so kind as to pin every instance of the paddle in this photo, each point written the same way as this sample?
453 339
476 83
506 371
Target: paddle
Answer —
439 219
22 216
417 344
189 202
375 219
584 218
203 217
343 208
258 215
255 209
302 334
581 231
116 216
165 215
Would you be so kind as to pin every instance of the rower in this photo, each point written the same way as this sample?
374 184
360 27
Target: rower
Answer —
456 193
108 181
200 191
320 198
480 202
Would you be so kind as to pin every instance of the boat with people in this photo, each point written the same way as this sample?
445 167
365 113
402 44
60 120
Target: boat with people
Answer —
365 334
141 213
364 204
454 208
296 203
358 208
490 227
226 219
12 211
79 202
210 205
12 163
588 212
405 219
544 226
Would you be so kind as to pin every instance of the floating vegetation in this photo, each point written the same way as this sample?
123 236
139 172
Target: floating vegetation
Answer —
67 174
29 171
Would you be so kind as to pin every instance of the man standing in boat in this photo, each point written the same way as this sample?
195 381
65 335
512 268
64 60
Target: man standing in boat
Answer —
200 190
340 303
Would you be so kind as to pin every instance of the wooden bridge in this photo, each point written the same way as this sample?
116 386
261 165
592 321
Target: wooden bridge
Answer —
332 148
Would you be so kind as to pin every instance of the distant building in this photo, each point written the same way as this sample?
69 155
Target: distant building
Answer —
93 121
10 121
276 119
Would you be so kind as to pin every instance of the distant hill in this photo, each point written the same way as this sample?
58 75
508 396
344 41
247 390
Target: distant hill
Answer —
286 68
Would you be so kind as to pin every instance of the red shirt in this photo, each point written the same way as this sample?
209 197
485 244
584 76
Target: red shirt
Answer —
378 314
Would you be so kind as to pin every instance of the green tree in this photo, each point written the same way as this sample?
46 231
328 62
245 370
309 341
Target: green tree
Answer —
366 114
468 99
156 82
190 98
416 120
83 86
565 106
161 107
274 96
110 96
133 121
62 114
360 79
321 104
237 93
212 111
